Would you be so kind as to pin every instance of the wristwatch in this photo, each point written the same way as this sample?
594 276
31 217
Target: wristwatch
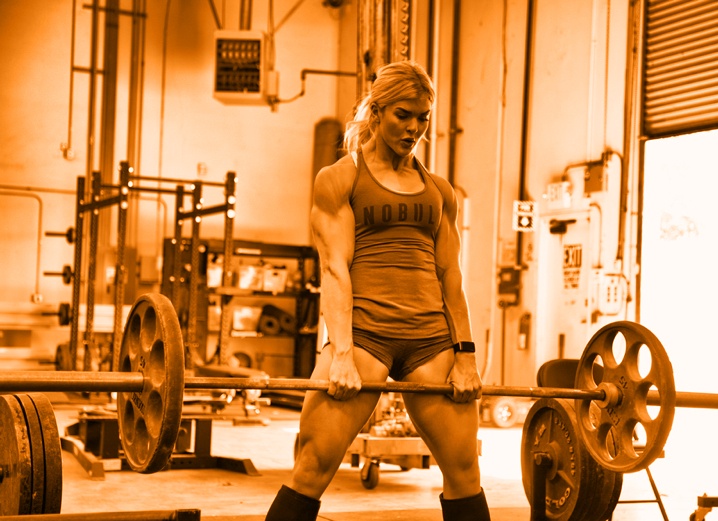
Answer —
464 347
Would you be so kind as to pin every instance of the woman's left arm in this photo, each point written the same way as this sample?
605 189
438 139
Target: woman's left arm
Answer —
464 375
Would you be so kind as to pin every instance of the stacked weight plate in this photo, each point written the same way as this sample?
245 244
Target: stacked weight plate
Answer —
30 456
577 487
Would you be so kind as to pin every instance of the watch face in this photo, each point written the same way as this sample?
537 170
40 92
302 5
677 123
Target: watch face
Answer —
465 347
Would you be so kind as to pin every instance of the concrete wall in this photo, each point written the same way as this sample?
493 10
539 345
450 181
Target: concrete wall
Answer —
182 125
575 112
576 104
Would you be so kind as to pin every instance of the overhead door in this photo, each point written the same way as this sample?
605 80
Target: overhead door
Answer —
680 76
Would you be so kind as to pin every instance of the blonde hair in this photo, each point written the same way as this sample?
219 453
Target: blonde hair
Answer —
394 82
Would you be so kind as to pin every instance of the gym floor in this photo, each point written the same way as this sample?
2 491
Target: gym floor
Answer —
686 471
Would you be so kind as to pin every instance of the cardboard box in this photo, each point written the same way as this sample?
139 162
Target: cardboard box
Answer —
251 277
246 318
275 280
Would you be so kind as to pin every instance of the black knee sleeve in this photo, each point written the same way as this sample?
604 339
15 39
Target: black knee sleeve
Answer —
290 505
472 508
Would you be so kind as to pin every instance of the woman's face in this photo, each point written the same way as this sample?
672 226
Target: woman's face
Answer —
403 123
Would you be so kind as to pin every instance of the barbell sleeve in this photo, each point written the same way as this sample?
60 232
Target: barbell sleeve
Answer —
689 399
71 381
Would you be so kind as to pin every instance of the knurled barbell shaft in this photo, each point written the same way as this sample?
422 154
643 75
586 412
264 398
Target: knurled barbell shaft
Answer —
404 387
80 381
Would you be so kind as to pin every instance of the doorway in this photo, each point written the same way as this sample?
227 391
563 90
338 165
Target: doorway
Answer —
679 297
679 246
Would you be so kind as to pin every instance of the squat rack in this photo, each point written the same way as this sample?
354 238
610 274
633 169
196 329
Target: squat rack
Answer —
196 214
92 204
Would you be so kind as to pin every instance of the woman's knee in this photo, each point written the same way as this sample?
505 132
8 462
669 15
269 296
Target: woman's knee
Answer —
454 446
317 458
465 465
461 477
312 473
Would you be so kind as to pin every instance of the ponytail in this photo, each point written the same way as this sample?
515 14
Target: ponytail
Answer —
359 130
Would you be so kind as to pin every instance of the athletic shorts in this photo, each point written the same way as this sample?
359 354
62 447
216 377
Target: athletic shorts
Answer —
401 356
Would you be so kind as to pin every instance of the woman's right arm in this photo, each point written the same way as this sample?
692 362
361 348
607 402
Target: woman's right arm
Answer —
332 222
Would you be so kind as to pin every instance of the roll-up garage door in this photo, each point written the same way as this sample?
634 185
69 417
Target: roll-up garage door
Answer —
681 67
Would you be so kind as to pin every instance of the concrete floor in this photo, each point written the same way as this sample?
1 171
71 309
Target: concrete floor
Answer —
688 470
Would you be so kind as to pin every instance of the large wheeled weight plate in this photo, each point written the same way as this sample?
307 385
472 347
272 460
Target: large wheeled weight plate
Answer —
639 366
571 482
15 459
149 420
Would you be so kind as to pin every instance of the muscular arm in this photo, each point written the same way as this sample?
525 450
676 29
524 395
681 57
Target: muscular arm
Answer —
448 269
464 375
332 223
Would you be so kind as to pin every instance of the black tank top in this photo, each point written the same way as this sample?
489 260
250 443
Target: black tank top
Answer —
397 293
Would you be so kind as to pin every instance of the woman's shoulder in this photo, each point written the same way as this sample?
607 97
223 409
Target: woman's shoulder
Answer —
443 185
337 178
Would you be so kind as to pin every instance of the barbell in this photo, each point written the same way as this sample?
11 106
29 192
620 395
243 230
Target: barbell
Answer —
150 383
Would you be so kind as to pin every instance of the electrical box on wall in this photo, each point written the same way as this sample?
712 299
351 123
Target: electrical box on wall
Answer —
611 293
596 178
240 62
509 285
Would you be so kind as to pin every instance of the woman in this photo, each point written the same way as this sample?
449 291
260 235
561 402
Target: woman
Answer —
393 302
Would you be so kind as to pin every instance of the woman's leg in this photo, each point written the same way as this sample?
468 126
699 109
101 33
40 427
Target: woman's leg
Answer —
450 431
327 427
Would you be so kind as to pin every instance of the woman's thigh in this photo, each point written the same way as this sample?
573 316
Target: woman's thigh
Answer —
328 426
448 428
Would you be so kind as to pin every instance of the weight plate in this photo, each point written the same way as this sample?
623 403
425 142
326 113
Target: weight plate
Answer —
67 275
550 427
610 482
34 430
149 421
605 484
619 422
15 459
64 314
52 452
609 495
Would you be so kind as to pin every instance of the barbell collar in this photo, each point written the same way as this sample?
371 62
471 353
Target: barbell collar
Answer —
612 395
